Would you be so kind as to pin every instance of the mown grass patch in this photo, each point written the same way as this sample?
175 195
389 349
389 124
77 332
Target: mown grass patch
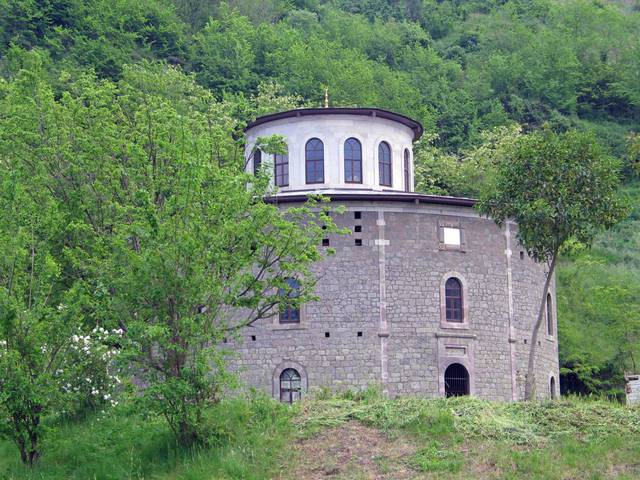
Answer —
471 438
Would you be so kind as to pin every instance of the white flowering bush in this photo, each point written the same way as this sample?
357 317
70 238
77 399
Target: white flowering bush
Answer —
94 378
49 368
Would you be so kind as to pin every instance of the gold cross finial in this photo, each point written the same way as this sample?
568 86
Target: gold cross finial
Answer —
326 97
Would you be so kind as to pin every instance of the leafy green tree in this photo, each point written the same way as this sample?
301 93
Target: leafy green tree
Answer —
54 359
174 242
557 188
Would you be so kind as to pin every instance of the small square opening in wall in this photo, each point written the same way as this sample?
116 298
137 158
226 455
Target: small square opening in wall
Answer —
358 242
521 255
359 334
253 338
327 334
357 215
357 228
325 242
451 236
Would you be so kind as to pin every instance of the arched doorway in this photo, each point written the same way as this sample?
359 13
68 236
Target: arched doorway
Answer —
552 388
456 381
290 385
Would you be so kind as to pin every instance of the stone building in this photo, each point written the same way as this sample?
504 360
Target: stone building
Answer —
425 297
632 388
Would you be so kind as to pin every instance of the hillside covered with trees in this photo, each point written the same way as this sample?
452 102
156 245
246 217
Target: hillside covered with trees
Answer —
476 73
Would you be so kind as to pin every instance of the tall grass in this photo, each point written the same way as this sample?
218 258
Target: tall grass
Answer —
249 434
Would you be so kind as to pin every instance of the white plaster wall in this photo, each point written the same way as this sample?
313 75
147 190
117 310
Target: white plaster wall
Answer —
334 130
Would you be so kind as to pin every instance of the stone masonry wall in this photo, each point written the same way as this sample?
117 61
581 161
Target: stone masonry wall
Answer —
379 322
633 389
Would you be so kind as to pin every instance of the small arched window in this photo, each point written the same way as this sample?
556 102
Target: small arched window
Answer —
290 313
453 300
314 161
549 315
290 385
456 381
281 167
352 161
552 388
384 164
407 171
257 161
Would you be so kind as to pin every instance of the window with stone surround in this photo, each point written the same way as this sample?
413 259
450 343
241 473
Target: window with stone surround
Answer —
290 313
451 235
549 315
453 300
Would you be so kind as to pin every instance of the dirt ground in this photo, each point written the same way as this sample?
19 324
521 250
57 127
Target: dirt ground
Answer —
349 452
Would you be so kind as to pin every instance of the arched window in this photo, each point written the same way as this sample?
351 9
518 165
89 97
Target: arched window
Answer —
314 161
453 300
384 163
290 313
257 161
552 388
352 161
290 386
456 381
407 171
281 166
549 316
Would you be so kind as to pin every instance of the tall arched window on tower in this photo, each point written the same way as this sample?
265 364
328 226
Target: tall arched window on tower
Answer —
384 164
549 316
352 161
281 167
453 300
314 161
290 313
407 172
257 161
290 385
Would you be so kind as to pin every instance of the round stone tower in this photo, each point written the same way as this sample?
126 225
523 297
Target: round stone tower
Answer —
425 297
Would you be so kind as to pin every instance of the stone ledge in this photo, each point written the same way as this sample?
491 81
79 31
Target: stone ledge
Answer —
455 335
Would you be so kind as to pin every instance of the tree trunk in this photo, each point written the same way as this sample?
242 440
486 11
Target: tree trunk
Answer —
530 383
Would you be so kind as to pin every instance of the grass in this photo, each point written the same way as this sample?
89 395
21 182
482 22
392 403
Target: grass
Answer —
353 436
122 445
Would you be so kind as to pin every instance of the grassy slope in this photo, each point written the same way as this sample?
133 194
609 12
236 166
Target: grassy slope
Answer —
408 438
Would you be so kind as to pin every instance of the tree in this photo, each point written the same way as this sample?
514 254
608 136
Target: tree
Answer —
197 254
557 188
155 221
54 358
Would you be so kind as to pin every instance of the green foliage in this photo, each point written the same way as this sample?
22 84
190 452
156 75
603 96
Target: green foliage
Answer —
556 188
121 444
51 360
164 230
597 302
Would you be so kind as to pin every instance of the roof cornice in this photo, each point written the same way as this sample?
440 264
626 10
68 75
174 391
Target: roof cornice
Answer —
366 112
